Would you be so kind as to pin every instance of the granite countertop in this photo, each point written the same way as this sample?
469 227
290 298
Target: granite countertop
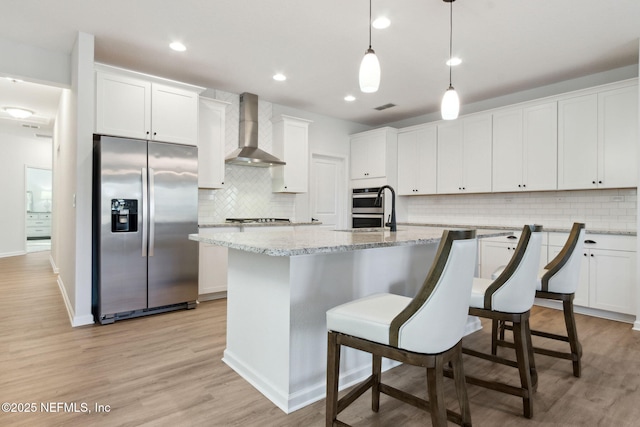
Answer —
312 240
513 228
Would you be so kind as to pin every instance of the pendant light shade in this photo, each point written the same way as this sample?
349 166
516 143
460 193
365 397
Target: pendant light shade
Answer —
369 72
369 75
450 101
450 104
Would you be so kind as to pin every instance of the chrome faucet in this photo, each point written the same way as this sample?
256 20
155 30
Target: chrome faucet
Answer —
378 202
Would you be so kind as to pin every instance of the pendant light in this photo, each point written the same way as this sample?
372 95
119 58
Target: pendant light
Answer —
450 102
369 67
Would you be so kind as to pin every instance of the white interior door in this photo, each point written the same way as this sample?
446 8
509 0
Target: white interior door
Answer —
328 190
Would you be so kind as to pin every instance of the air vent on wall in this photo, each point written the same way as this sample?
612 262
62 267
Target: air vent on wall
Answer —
41 135
385 106
27 125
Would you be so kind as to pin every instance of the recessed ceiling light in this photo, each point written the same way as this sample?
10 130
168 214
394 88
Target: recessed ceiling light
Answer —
178 47
349 98
454 61
18 113
279 77
381 23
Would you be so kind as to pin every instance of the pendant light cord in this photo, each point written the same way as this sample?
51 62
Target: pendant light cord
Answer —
450 38
369 24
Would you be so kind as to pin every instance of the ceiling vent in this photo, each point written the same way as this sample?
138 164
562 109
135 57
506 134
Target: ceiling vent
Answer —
41 135
30 126
385 106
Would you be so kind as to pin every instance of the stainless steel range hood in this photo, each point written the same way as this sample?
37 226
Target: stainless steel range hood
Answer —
248 153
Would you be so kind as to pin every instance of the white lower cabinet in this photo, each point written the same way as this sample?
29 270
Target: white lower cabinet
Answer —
496 252
608 271
212 265
38 225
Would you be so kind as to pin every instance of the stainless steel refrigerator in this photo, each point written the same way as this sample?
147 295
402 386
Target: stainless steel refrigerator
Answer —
145 204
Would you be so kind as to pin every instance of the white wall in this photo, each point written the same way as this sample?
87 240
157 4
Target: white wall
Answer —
34 64
24 151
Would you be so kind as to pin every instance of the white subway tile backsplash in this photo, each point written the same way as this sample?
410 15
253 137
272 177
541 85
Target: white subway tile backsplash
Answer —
610 209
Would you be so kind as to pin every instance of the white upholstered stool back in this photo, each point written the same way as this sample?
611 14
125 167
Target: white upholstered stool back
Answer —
562 274
515 288
435 319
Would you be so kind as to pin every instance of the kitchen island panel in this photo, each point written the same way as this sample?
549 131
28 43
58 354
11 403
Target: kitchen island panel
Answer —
276 329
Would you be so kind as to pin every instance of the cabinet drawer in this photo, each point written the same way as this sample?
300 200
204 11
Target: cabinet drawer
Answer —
601 241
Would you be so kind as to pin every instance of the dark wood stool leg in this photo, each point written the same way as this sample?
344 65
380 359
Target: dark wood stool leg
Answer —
532 362
333 373
494 336
522 357
461 387
435 386
572 334
376 372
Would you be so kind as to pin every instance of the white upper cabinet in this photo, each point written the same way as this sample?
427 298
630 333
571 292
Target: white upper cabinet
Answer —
417 161
174 114
464 155
597 139
291 144
525 148
136 106
123 106
211 143
372 153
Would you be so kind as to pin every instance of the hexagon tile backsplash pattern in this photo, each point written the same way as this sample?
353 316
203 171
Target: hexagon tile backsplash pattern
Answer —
247 192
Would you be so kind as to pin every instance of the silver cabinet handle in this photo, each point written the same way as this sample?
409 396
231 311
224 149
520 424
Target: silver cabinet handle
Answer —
145 191
152 212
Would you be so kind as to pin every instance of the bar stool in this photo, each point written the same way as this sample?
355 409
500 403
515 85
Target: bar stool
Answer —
423 331
558 281
509 298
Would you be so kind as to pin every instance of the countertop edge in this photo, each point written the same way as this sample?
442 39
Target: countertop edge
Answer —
513 228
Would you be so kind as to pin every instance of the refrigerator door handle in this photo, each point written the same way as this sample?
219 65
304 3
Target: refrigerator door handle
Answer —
144 211
152 212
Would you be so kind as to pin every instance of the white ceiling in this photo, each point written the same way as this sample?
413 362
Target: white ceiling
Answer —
237 45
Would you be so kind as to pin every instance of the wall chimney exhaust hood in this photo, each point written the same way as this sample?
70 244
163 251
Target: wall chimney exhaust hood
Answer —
248 153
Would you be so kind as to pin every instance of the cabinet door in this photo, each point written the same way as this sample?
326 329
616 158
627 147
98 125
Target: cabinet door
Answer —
174 115
507 150
612 280
426 153
123 106
212 269
450 160
296 155
368 156
578 142
407 163
417 161
495 255
540 147
476 170
618 138
211 143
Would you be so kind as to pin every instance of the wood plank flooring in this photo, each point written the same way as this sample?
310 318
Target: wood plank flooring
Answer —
166 370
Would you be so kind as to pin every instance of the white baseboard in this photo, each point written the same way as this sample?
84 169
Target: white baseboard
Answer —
610 315
10 254
212 296
75 320
54 267
636 325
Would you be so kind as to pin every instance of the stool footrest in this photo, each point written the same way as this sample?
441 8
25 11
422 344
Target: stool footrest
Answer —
490 357
350 397
419 403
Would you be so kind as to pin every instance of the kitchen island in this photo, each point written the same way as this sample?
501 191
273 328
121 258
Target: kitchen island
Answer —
281 283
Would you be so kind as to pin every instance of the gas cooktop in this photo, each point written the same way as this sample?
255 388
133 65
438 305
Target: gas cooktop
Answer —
254 220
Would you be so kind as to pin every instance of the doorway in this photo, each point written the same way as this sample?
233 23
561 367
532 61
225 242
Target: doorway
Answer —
328 190
38 202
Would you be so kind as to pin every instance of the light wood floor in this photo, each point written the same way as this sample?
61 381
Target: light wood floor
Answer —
165 370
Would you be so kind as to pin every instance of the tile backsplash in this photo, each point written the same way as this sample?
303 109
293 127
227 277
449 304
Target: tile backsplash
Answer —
606 210
247 192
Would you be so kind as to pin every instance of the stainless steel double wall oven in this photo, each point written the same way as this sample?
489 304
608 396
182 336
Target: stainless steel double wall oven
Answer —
364 212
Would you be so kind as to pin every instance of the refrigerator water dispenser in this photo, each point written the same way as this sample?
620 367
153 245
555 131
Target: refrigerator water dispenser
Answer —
124 215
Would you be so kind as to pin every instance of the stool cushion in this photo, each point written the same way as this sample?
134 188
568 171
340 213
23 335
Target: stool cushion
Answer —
368 318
